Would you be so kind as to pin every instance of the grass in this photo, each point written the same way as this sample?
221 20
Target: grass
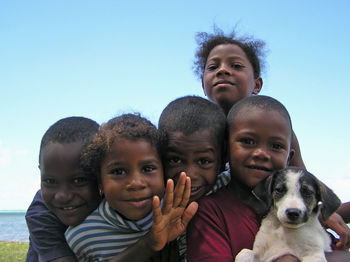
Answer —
13 251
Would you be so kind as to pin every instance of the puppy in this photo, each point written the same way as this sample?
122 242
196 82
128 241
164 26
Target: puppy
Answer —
291 226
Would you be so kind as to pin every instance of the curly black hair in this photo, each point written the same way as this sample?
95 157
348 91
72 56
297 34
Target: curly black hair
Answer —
69 130
126 126
253 48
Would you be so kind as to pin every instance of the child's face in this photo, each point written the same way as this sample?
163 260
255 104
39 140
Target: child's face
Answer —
228 76
66 190
131 174
198 155
259 144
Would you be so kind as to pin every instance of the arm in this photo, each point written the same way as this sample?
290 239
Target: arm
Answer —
168 222
46 234
297 159
344 211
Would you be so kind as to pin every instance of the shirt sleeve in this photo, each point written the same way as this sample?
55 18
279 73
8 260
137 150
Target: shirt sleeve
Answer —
46 233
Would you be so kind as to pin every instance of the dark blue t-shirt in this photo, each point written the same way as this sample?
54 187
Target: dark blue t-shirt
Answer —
46 233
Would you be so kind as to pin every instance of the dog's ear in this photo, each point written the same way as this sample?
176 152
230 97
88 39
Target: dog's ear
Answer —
263 192
330 201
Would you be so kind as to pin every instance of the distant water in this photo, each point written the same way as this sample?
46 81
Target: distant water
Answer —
13 226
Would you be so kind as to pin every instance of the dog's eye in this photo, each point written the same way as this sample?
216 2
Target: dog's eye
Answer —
280 190
306 192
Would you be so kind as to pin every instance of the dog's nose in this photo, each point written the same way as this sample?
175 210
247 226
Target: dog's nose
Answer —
293 213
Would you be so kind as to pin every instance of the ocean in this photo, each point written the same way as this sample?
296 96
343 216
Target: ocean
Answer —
13 226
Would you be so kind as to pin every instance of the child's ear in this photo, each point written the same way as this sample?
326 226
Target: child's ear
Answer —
203 87
258 85
100 190
290 157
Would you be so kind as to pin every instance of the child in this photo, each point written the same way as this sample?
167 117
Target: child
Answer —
67 194
193 131
260 135
230 69
125 155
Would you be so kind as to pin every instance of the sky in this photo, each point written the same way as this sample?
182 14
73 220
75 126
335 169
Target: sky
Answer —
99 59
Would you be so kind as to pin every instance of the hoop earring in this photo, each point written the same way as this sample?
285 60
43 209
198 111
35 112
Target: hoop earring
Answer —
100 192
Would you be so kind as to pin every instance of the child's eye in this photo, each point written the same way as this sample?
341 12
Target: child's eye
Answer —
148 169
204 161
118 171
174 160
277 146
237 66
211 67
80 181
49 181
247 141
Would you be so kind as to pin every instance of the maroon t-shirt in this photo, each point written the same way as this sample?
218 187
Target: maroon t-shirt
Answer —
222 227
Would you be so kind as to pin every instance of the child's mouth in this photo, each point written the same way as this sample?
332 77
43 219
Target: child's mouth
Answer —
259 168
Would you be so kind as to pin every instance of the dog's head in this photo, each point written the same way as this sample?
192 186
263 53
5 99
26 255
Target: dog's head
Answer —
295 195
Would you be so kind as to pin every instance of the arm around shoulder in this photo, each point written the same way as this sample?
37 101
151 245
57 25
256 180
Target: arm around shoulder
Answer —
46 231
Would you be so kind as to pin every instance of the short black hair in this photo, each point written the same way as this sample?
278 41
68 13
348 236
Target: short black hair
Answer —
260 102
69 130
253 48
190 114
126 126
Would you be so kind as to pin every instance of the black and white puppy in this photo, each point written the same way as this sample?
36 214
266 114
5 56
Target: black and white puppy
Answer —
291 226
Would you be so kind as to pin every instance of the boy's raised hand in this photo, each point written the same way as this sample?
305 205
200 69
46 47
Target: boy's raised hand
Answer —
171 220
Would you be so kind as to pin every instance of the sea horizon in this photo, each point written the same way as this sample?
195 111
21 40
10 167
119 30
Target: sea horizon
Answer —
13 227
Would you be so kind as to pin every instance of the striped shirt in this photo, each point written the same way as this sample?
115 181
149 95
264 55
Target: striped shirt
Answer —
105 233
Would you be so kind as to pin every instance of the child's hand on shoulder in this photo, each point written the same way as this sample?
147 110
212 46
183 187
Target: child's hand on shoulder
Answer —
171 220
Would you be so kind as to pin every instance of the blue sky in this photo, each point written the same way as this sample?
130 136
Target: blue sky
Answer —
102 58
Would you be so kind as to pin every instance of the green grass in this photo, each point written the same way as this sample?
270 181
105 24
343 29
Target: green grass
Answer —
13 251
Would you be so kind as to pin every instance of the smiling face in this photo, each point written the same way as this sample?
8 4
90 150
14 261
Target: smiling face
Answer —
259 144
228 76
131 174
198 155
66 190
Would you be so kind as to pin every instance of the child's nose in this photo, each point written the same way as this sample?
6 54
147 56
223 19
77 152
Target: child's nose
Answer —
261 153
223 70
192 172
64 194
136 181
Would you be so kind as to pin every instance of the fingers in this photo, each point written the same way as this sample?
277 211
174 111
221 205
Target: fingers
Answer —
180 188
178 197
157 213
190 211
169 196
344 232
337 224
187 193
